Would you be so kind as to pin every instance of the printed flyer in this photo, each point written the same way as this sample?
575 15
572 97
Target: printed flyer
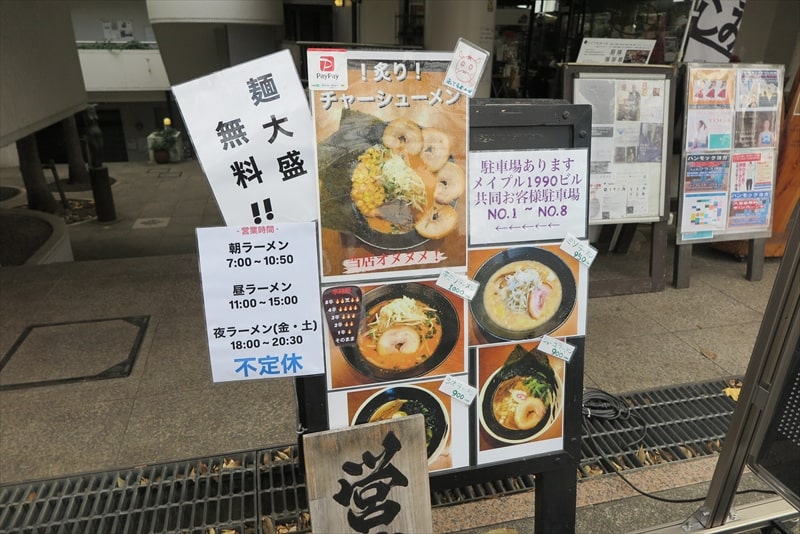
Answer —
756 129
708 129
750 208
526 292
706 172
446 419
520 403
711 88
392 165
752 170
730 148
628 146
758 89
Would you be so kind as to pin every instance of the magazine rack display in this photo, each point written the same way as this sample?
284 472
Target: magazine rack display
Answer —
729 159
632 117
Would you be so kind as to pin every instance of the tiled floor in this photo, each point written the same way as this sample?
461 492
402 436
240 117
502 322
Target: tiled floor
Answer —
145 263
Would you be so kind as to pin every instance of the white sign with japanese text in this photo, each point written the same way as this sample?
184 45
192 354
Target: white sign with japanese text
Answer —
261 297
556 347
458 284
521 196
712 30
583 252
615 51
251 127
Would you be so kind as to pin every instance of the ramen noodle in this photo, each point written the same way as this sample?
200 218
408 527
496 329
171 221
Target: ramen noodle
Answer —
404 407
522 295
399 334
407 182
522 402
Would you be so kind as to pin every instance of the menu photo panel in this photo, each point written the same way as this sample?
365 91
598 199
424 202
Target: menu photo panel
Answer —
391 151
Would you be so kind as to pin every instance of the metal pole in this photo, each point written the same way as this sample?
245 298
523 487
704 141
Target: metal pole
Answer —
779 319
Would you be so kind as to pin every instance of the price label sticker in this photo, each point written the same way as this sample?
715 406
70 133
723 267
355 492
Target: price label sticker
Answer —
459 390
583 252
458 284
556 347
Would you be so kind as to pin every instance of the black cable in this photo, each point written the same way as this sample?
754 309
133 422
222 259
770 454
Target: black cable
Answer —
599 404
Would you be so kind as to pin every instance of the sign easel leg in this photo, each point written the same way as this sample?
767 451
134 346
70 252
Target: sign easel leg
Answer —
682 266
755 259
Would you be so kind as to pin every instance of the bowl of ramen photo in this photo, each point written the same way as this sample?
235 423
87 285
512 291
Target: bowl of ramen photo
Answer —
408 330
521 400
524 293
397 182
401 401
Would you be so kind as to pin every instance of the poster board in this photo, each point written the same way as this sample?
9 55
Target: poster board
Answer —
368 274
632 110
730 148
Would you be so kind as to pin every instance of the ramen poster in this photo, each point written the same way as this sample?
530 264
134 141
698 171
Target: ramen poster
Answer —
520 402
526 292
391 155
405 330
447 428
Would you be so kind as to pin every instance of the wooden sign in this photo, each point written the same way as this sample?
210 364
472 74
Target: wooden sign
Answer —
369 478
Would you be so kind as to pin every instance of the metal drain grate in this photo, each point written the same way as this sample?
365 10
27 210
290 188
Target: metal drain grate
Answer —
235 492
485 490
678 422
257 492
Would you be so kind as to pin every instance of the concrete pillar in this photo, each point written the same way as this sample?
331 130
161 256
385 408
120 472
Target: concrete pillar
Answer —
447 20
198 37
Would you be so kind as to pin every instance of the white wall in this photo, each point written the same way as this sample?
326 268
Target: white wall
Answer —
251 41
123 70
377 21
8 156
40 75
88 17
769 33
230 11
447 20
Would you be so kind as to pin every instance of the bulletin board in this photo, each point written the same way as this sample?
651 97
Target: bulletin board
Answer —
523 175
632 117
730 151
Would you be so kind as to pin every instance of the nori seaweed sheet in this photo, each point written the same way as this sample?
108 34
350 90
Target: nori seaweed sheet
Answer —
338 156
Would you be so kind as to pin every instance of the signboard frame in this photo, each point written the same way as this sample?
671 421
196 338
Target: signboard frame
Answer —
757 236
503 125
656 279
701 108
770 379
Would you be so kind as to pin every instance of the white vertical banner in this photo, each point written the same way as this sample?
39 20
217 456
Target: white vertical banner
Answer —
251 127
261 300
712 30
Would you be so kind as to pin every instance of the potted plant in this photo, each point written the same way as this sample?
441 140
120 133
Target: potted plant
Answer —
163 142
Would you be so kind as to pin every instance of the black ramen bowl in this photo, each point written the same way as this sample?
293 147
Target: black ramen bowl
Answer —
448 319
358 132
494 332
526 367
436 417
338 159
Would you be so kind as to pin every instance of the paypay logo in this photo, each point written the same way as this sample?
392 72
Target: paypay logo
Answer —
326 63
